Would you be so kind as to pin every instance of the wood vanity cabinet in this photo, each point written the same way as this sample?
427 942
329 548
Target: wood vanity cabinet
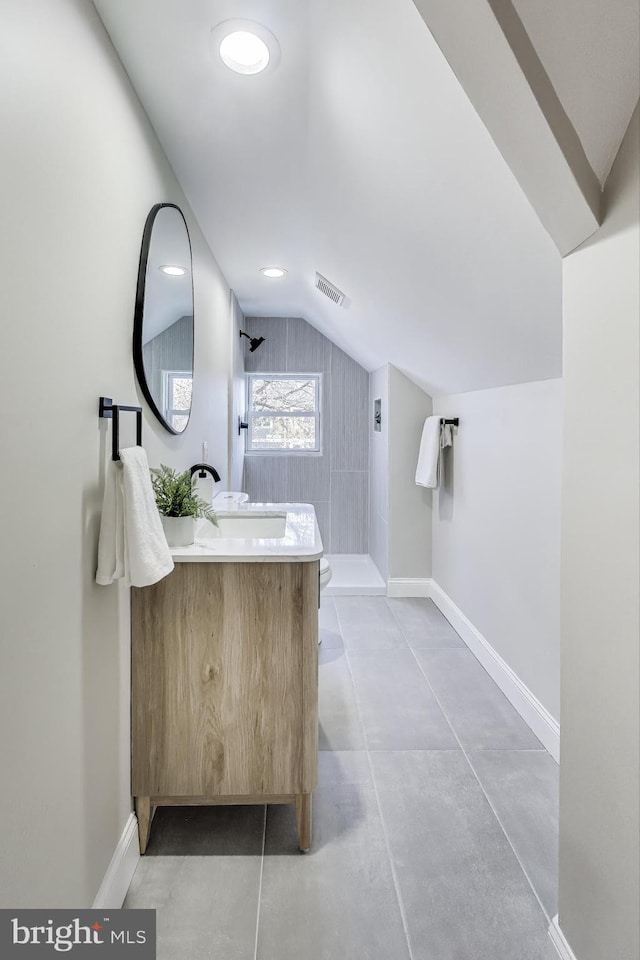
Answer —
225 688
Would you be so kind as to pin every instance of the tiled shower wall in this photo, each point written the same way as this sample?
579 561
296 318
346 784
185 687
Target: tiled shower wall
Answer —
172 349
336 483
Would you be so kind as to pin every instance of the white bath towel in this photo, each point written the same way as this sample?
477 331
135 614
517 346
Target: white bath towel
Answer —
433 439
132 543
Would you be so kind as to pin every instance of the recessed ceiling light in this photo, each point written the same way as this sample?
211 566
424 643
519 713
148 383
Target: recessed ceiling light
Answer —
172 271
273 272
244 46
244 52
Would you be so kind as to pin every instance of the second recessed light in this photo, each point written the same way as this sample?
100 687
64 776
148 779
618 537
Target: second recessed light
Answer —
172 271
273 273
244 46
244 52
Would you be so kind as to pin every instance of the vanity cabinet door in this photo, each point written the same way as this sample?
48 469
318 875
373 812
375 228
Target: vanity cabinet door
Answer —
224 681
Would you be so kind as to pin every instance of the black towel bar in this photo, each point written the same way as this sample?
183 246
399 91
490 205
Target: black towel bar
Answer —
454 422
111 411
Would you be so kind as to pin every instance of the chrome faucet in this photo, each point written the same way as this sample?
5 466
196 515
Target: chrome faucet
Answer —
204 469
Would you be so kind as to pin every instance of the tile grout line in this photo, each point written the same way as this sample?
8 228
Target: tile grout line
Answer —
473 771
486 796
502 827
264 840
394 877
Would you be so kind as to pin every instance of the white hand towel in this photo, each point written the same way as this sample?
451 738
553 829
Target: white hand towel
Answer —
131 528
429 456
111 564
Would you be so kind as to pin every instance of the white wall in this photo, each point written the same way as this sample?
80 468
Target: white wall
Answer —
599 777
399 511
379 472
496 525
409 505
80 170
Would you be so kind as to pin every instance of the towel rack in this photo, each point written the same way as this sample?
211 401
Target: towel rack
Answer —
110 410
454 422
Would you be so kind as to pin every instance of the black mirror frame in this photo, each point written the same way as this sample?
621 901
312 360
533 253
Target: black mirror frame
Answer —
138 313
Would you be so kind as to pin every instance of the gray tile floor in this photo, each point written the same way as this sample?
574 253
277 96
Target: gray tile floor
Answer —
435 819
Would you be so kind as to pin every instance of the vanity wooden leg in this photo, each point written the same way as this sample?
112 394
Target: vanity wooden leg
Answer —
303 816
143 812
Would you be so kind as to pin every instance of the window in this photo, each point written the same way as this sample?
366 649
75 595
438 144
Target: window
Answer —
176 397
283 413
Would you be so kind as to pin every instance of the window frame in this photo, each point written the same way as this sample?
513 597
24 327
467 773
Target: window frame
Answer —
168 376
252 414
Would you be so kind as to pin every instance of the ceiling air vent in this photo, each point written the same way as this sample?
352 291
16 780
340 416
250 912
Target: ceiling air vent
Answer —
323 285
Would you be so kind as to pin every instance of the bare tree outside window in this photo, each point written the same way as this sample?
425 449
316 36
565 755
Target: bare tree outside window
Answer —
284 413
177 393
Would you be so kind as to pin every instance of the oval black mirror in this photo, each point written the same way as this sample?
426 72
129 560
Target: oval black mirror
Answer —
163 318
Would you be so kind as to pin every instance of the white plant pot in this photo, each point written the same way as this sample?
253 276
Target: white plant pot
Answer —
179 531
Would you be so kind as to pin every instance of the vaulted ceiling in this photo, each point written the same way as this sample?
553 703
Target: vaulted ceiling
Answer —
359 156
590 50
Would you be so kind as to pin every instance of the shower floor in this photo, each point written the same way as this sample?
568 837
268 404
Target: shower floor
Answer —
354 575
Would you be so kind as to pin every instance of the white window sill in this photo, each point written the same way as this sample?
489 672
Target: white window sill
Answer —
283 453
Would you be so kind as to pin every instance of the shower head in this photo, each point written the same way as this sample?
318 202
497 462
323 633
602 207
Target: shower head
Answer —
254 342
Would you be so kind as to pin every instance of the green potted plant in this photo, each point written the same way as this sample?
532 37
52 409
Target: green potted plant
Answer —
179 504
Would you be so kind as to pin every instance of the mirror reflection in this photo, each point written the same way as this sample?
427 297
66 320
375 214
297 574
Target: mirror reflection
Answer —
163 326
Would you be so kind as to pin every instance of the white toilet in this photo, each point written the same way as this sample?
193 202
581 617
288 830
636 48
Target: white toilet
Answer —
325 573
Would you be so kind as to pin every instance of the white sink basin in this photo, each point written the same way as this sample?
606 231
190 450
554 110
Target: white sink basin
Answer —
256 532
251 525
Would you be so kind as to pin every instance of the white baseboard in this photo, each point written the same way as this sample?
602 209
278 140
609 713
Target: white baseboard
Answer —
120 871
409 588
545 727
559 941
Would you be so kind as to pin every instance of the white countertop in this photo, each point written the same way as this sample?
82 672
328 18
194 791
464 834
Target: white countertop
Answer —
301 541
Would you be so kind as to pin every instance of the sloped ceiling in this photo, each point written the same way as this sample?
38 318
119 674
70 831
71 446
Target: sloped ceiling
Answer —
590 50
361 157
